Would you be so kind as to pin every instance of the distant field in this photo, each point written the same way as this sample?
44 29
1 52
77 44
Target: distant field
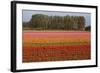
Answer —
41 46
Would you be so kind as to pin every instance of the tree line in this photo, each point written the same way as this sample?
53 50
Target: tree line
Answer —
45 22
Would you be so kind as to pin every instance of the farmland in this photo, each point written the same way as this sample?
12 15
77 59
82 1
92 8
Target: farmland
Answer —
42 46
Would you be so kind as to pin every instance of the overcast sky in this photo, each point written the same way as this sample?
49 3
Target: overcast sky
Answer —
27 14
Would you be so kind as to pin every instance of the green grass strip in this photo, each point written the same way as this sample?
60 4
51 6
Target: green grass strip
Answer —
61 43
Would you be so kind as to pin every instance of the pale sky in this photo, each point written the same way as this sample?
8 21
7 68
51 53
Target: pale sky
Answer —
27 14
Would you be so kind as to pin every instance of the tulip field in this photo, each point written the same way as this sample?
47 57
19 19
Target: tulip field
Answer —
43 46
